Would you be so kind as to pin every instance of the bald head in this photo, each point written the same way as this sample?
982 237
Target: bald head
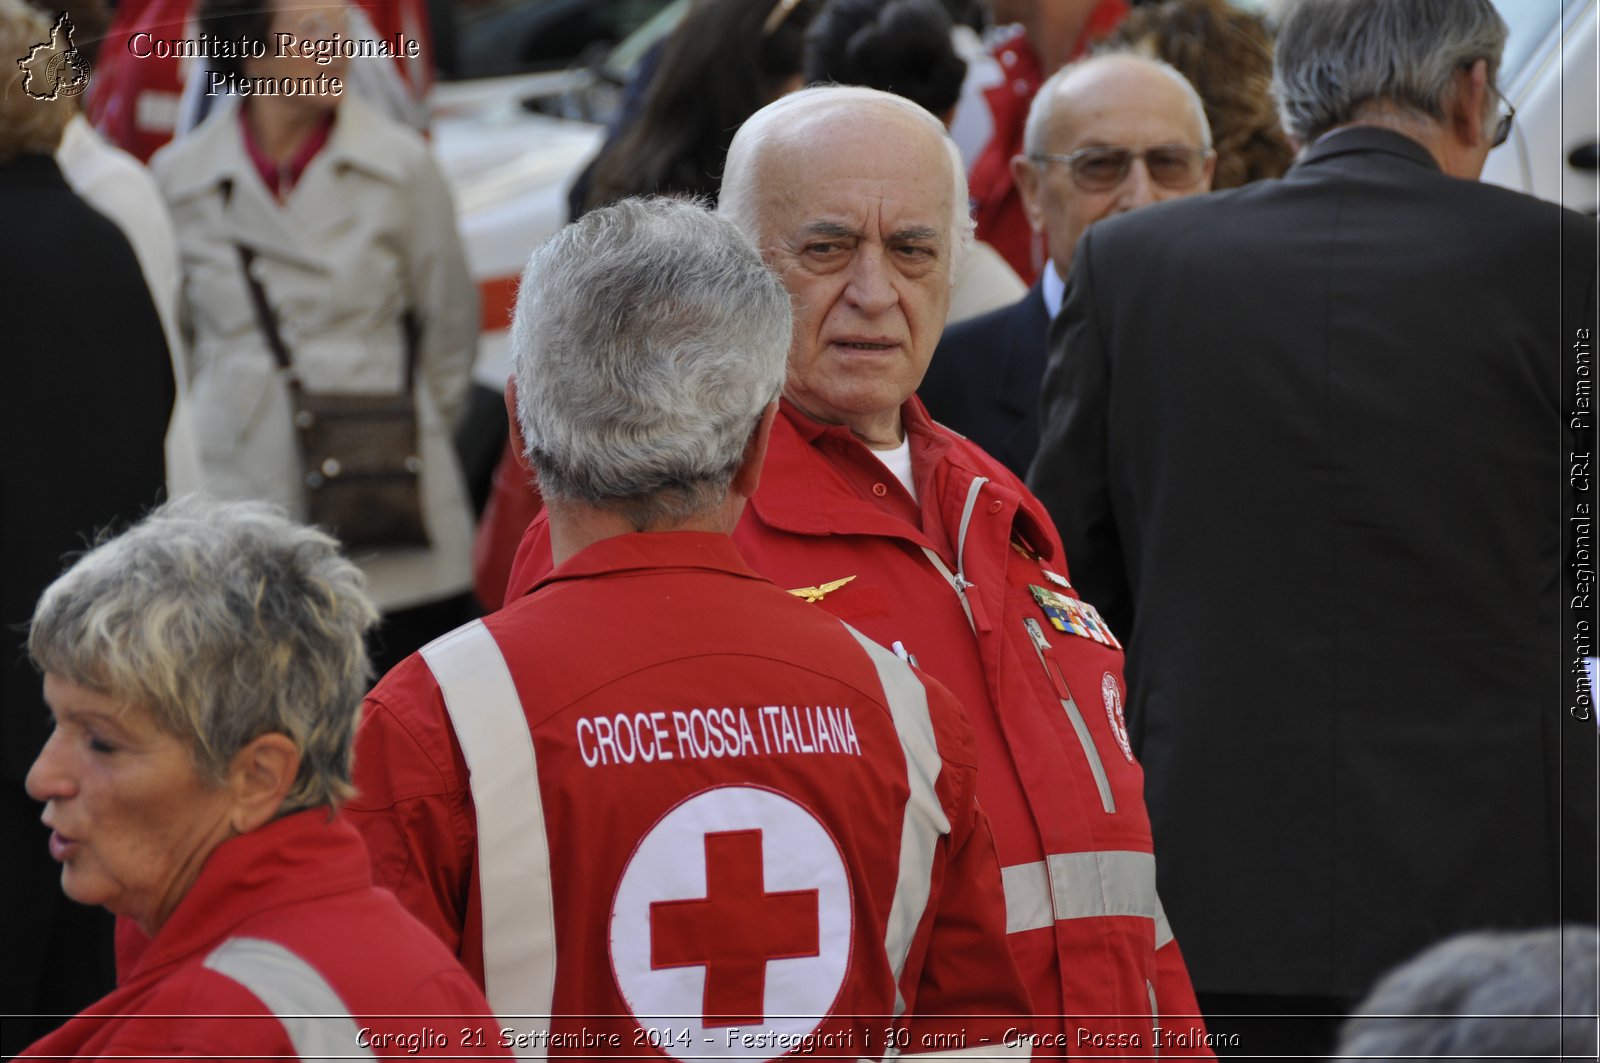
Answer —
799 124
1109 102
1090 83
858 200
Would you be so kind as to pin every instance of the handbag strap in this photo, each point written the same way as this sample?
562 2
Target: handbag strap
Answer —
267 321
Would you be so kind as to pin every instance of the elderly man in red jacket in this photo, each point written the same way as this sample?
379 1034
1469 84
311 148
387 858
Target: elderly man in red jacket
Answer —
919 539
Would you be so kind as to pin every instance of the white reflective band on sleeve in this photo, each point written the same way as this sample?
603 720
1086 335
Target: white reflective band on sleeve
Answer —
1000 1051
519 936
317 1021
1081 886
925 822
1163 928
1027 888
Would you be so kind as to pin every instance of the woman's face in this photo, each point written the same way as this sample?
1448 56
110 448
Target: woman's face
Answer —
301 44
132 819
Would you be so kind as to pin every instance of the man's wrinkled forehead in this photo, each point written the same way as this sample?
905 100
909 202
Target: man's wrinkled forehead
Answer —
847 165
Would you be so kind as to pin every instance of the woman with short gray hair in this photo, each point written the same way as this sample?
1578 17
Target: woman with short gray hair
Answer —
205 672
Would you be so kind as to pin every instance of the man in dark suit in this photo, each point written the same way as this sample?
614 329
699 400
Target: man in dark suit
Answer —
1311 446
1104 136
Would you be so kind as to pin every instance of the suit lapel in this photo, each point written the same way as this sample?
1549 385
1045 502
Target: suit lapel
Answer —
1022 353
255 219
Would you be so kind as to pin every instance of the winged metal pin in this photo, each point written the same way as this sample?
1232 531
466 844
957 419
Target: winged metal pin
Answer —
816 594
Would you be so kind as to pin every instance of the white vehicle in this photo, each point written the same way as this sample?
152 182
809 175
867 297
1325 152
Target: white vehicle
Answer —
1551 73
511 146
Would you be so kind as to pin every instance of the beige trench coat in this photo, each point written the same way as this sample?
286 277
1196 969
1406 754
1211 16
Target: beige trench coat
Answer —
368 231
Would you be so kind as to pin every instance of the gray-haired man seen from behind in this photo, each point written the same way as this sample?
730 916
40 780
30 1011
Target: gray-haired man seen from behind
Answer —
657 801
1310 444
1517 997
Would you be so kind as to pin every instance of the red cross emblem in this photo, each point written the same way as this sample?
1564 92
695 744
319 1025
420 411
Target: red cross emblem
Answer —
734 930
758 935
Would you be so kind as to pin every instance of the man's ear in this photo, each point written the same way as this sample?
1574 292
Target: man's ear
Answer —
748 476
1030 184
1466 115
519 446
259 777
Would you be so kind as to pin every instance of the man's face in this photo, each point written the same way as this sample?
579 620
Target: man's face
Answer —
855 211
1115 102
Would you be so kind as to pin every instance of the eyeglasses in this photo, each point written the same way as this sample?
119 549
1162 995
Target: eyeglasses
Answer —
1502 128
1101 169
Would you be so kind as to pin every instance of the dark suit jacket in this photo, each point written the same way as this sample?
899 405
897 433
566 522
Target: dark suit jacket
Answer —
1308 449
984 378
87 398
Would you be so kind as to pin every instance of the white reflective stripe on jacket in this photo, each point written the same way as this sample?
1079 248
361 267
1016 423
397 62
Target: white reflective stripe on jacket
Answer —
1083 886
519 937
317 1021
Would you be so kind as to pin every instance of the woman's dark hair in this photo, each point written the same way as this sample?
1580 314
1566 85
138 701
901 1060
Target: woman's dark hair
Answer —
249 21
898 46
721 65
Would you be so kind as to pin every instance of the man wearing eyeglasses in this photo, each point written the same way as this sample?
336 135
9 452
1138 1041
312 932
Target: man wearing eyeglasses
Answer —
1105 135
1320 450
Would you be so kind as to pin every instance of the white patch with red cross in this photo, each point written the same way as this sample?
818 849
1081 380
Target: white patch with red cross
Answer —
1111 694
734 911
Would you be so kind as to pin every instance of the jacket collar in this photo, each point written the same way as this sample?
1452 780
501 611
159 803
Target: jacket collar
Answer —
215 152
293 859
33 171
802 489
214 157
653 551
1367 138
803 492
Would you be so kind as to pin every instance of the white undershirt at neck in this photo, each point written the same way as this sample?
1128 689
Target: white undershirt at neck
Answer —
898 461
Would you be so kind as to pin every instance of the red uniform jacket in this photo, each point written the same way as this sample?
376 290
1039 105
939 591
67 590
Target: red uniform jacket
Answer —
1056 774
283 948
685 813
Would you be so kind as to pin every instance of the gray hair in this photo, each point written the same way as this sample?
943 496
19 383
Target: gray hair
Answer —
1335 56
740 202
649 335
1036 133
1528 995
226 621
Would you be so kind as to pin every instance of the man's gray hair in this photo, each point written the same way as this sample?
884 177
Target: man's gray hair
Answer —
226 621
1524 996
1334 57
648 338
739 199
1036 133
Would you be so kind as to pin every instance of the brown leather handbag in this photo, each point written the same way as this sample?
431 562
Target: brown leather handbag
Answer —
359 453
